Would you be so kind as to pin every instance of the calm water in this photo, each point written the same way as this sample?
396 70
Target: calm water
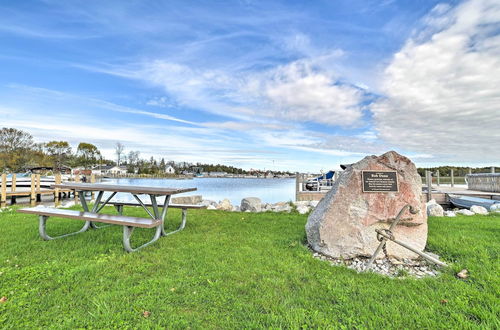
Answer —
268 190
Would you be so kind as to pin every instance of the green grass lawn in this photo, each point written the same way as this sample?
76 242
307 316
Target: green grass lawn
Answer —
236 270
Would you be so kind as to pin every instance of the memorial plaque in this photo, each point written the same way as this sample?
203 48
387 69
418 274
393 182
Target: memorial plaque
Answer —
380 181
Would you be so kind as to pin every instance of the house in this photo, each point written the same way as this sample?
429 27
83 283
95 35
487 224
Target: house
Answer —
109 170
169 170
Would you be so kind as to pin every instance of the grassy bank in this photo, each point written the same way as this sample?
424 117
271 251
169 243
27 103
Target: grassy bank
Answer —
236 270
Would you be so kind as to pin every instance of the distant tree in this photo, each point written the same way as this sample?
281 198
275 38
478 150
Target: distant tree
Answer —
59 152
163 166
133 161
15 146
87 154
119 148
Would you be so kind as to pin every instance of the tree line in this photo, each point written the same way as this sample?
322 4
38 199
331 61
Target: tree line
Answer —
457 170
19 153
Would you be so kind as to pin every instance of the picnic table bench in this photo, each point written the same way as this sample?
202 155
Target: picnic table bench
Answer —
156 220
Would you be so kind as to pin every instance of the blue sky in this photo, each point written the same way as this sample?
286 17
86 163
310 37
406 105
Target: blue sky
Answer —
295 85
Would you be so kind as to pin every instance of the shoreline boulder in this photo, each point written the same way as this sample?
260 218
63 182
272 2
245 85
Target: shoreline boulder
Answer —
193 199
225 205
479 210
434 209
343 223
252 204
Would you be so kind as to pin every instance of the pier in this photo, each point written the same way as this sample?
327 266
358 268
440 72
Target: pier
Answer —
32 187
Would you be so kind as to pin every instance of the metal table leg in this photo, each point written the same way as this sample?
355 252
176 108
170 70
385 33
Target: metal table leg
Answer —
96 208
127 233
42 229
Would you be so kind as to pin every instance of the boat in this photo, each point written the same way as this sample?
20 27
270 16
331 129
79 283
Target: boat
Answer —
325 180
468 201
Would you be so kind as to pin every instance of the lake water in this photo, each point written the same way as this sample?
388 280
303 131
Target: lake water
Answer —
234 189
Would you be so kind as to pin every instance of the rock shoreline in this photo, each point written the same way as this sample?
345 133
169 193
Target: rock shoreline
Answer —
255 205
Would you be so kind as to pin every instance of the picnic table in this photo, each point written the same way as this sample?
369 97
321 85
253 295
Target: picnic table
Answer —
92 216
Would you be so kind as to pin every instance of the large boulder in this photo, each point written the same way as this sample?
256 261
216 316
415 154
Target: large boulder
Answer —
344 222
252 204
193 199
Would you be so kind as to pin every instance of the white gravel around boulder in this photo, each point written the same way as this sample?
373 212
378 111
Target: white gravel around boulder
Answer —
449 214
464 212
211 207
417 268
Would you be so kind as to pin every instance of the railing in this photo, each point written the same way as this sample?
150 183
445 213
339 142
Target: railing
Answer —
489 182
308 187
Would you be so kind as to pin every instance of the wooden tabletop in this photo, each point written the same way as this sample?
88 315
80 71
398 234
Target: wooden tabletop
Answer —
122 188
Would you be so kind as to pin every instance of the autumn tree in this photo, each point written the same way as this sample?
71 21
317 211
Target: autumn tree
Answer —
15 147
59 151
87 154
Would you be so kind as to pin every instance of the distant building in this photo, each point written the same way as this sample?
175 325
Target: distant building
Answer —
109 170
217 174
169 170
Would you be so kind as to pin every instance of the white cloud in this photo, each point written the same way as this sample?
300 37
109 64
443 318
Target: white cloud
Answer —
442 89
299 92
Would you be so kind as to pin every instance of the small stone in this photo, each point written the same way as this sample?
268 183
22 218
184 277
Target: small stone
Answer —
211 207
146 314
3 300
225 205
463 274
479 210
443 301
435 210
303 209
465 212
449 214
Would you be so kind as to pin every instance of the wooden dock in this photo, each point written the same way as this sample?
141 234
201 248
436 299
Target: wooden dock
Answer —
32 187
440 193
